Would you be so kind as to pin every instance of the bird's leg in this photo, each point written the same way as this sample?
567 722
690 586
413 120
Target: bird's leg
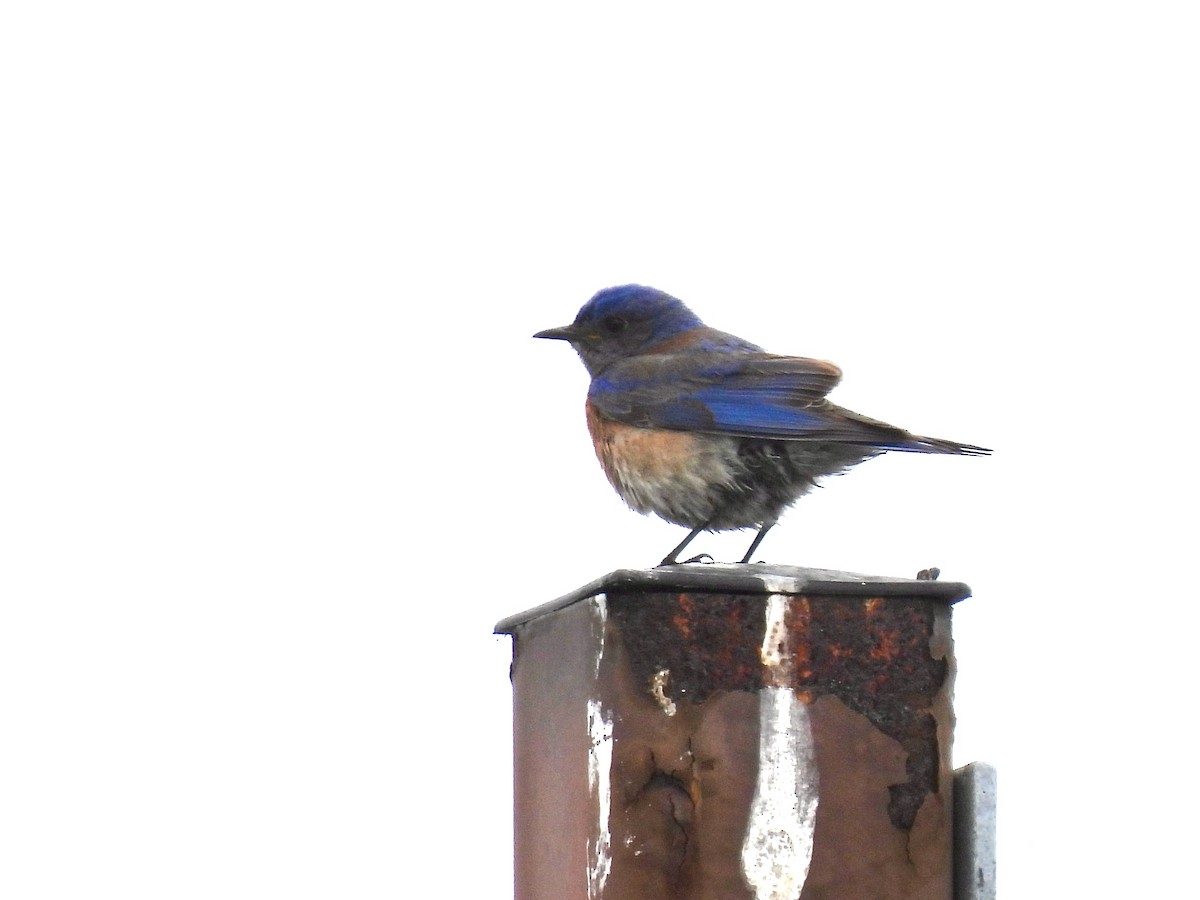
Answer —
671 558
762 533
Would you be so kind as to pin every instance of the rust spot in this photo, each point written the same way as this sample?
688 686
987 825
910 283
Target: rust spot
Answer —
886 647
708 645
682 619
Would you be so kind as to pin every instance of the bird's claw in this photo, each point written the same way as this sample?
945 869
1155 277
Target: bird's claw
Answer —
930 574
703 557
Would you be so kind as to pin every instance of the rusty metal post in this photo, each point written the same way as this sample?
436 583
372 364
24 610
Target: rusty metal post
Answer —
727 732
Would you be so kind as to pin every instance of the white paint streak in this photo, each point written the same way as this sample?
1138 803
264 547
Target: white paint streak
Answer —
773 652
778 847
599 627
777 584
600 752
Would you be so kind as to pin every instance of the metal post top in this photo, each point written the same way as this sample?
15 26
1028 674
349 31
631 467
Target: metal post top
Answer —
745 578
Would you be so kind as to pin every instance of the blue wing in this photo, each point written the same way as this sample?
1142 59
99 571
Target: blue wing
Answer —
746 393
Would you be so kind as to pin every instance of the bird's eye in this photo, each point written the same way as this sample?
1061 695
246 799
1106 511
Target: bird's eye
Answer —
614 324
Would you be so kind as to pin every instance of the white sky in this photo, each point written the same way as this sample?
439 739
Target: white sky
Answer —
278 449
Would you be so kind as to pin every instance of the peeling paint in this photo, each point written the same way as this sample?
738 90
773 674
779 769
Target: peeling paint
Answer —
600 754
778 847
599 626
778 584
658 687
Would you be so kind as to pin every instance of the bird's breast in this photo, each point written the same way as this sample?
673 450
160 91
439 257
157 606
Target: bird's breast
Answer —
674 474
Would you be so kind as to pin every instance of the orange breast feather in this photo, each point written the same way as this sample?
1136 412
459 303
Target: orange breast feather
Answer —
633 456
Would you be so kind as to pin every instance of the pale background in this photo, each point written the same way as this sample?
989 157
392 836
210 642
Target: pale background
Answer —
278 449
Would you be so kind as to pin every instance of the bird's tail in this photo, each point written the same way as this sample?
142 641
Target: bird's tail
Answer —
919 444
859 429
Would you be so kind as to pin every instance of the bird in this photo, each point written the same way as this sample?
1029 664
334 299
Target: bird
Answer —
706 429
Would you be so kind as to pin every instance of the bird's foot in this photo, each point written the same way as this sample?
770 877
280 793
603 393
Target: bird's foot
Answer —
670 561
930 574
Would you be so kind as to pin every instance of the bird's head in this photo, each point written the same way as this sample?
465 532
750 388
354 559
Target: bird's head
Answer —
623 321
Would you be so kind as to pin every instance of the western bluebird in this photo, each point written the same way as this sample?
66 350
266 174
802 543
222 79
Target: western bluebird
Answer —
706 429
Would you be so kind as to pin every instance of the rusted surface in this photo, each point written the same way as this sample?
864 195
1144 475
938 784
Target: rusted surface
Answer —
872 654
706 641
680 673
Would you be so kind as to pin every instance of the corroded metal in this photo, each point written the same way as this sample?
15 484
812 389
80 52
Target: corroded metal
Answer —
735 732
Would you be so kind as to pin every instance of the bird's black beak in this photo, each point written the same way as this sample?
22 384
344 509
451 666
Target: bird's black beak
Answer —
564 333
